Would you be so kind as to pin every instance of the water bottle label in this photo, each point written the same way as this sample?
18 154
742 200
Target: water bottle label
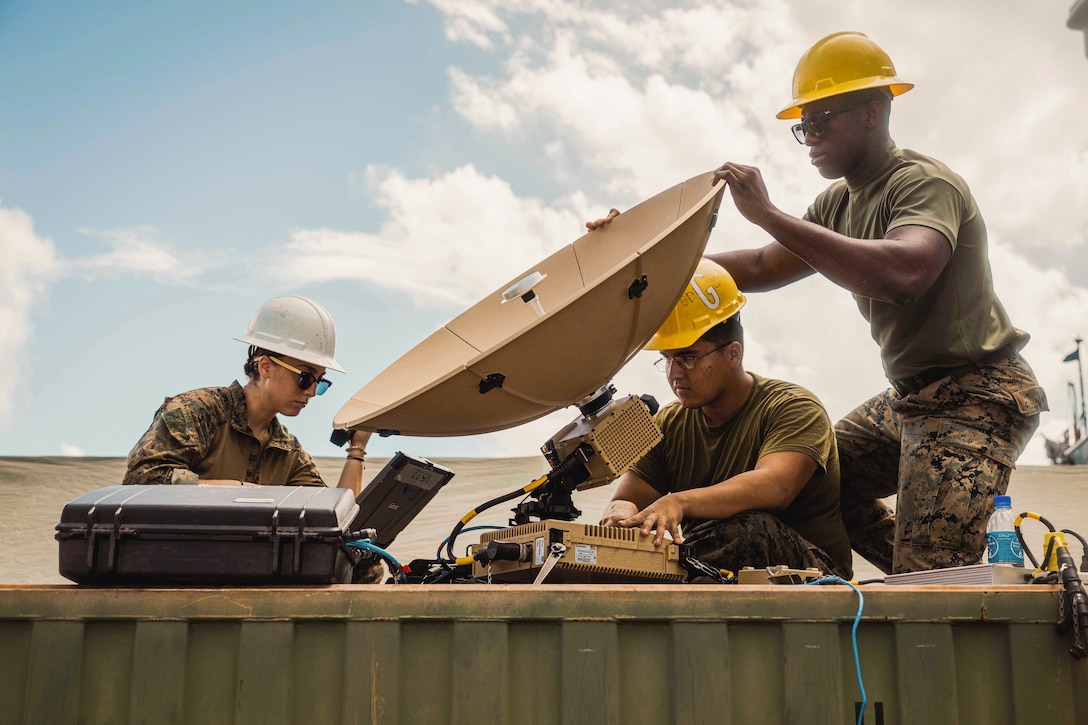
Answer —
1003 547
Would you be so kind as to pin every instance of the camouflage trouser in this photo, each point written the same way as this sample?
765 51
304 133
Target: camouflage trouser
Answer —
945 450
756 539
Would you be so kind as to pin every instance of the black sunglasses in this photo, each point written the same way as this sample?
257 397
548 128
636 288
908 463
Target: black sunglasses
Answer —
305 379
816 124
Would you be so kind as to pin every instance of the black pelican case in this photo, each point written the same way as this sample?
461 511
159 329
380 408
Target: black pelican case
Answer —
207 535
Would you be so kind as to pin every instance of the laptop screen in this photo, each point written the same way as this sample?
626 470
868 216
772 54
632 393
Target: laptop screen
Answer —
397 494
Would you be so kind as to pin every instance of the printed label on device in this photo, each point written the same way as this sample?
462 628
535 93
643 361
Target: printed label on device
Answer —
585 553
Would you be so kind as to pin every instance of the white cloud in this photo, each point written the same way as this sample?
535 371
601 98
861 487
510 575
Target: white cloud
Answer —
653 135
30 264
643 115
447 240
472 100
1054 311
471 21
136 251
1044 203
67 449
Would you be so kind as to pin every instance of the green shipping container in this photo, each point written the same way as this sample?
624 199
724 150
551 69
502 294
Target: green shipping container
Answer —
537 654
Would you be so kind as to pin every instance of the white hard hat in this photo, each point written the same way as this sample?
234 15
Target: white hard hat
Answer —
297 327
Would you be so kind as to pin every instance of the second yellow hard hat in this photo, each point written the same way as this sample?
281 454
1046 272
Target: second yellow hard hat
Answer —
712 297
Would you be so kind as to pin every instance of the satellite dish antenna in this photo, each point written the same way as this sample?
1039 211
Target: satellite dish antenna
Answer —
597 302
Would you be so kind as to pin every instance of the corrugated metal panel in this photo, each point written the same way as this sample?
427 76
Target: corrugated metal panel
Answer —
522 654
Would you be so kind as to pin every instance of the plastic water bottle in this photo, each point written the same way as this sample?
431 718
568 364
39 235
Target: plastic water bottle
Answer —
1002 544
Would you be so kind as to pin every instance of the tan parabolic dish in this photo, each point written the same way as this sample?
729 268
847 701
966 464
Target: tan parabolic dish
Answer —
591 326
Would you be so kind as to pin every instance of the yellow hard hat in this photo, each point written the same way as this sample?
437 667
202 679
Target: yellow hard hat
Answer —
841 63
709 299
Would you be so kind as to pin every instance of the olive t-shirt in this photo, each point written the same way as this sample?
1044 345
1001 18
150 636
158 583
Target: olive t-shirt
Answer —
959 319
777 417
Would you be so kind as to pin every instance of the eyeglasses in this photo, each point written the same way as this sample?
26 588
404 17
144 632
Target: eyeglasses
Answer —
816 124
305 380
687 362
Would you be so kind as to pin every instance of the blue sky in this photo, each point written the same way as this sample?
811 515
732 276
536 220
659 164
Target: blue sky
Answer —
167 167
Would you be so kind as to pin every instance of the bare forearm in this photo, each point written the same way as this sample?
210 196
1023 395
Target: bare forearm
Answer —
763 269
751 491
351 476
894 270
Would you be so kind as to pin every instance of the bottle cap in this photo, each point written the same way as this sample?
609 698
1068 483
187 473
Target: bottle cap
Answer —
1003 502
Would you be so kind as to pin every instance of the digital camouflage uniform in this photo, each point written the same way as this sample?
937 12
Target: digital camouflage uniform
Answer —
947 450
967 403
757 539
205 434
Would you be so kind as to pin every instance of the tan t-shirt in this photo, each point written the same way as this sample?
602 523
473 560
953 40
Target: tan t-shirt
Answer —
777 417
204 434
959 319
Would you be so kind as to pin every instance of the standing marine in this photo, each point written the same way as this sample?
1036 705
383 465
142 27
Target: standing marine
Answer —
902 232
